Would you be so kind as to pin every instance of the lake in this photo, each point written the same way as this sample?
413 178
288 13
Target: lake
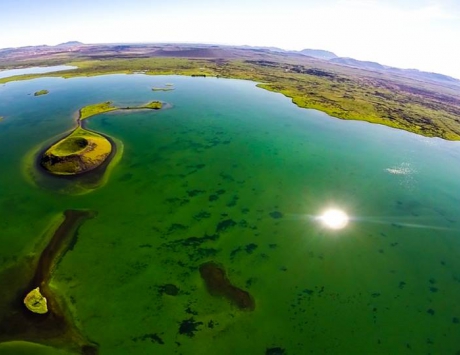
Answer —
237 175
34 70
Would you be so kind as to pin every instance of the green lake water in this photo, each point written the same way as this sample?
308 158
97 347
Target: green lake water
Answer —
388 283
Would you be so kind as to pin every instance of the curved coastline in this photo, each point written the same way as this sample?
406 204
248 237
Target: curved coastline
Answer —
333 90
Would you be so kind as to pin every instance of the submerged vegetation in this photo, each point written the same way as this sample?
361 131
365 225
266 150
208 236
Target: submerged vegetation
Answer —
219 285
424 108
203 236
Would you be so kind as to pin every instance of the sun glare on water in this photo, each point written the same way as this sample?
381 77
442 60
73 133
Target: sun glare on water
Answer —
334 219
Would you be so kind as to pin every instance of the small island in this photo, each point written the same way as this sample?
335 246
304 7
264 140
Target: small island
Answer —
41 92
1 118
84 150
166 88
79 152
154 105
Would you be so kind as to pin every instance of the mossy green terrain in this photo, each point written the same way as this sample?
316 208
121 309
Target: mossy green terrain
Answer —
41 92
79 152
154 105
426 108
421 107
96 109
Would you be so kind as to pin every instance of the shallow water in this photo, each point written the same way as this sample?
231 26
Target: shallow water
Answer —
34 70
227 151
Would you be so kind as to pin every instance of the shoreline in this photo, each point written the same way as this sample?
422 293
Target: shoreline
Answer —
442 131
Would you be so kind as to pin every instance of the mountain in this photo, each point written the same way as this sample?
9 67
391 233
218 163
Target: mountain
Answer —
410 73
423 75
358 63
70 44
271 49
318 53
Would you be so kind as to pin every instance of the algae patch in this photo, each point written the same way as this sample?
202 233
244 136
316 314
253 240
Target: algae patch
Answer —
218 284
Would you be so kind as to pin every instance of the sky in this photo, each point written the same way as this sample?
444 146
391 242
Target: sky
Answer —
420 34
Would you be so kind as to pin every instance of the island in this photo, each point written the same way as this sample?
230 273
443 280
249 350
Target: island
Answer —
79 152
166 88
41 92
84 150
1 118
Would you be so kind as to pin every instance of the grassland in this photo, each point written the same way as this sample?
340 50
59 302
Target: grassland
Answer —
91 110
95 109
41 92
154 105
79 152
425 108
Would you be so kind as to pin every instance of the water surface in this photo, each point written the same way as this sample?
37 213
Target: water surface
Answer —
34 70
230 152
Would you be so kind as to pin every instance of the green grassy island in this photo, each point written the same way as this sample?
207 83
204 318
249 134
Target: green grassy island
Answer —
41 92
84 150
154 105
79 152
96 109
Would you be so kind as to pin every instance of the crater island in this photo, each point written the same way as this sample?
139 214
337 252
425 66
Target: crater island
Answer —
84 150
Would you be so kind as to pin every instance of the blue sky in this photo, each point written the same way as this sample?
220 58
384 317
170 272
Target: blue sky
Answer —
421 34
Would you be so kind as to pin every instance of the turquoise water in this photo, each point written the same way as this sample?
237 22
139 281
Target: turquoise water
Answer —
229 152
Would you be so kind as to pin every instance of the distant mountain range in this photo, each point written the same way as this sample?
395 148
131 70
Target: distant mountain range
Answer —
70 44
318 53
221 51
374 66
